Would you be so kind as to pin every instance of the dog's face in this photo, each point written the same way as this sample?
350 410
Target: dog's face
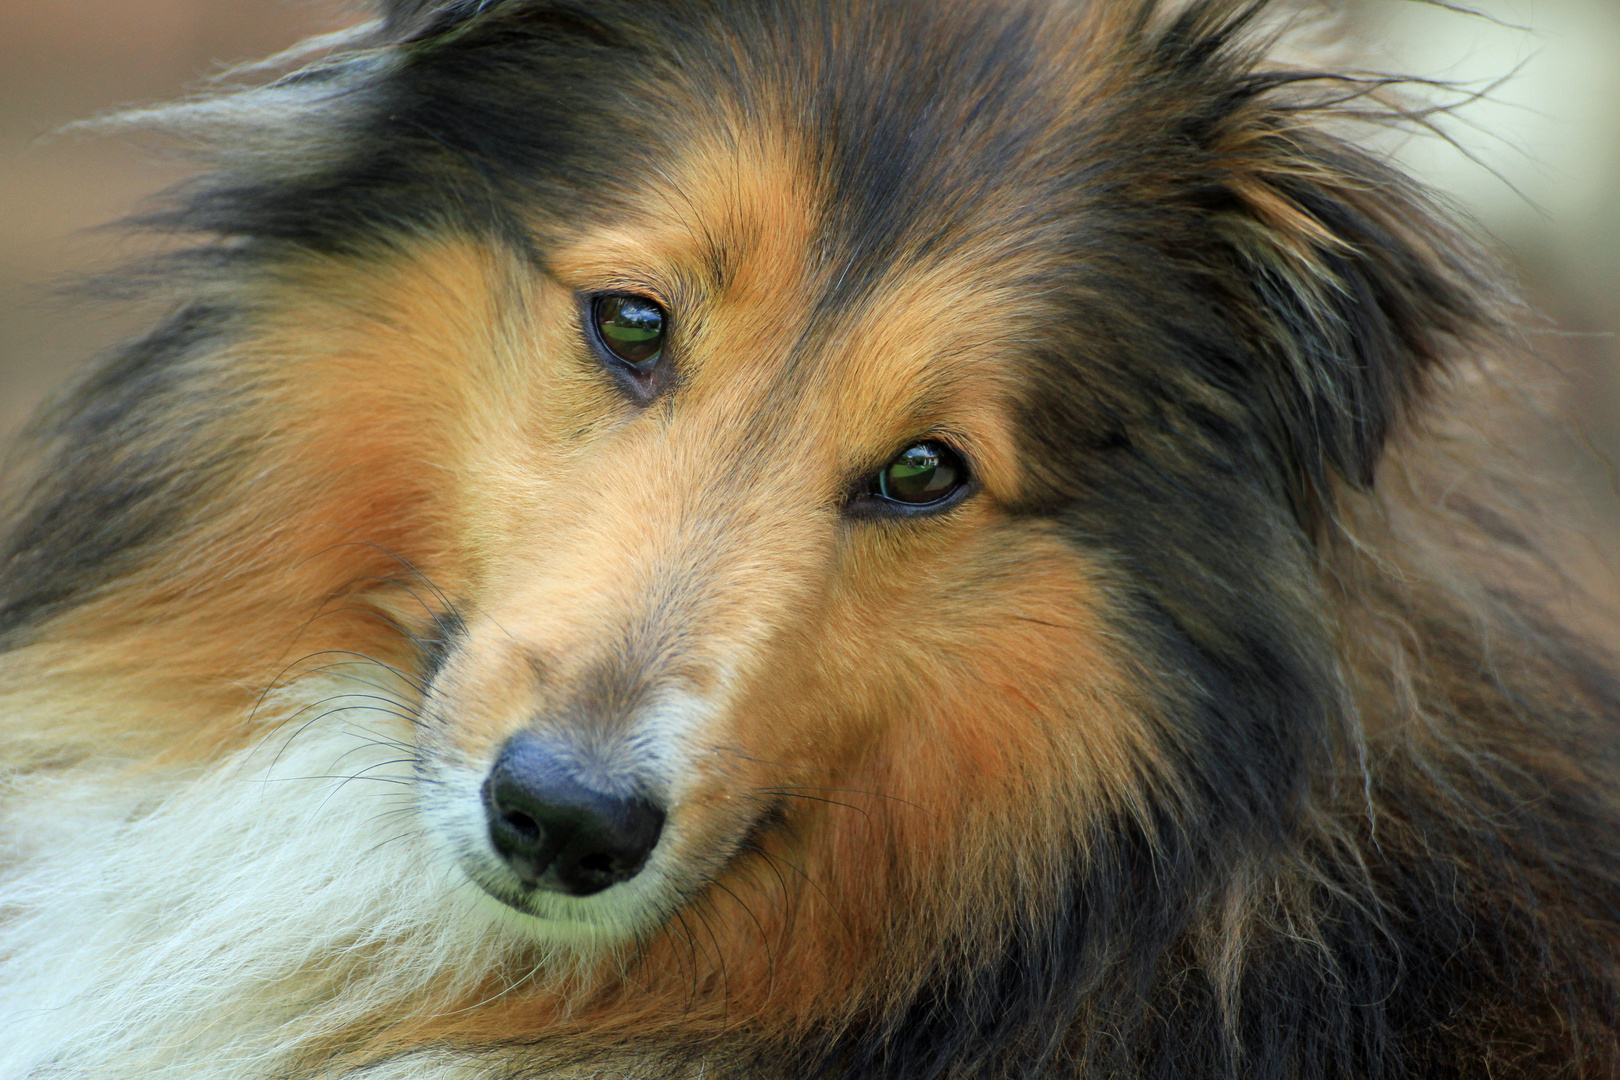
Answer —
817 462
833 472
746 552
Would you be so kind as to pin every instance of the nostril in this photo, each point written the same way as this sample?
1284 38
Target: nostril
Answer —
554 831
522 824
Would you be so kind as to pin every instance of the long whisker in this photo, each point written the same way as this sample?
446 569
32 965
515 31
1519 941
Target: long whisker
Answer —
808 880
719 952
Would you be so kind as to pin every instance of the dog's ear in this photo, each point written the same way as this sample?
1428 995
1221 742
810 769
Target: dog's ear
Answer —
408 19
1361 286
1348 274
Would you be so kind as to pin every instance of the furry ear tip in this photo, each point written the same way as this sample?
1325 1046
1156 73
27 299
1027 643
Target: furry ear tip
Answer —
399 13
410 18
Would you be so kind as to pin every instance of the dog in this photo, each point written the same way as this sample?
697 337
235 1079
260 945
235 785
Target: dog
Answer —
802 539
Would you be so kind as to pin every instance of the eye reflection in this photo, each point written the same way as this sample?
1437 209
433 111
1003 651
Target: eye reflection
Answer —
631 328
920 475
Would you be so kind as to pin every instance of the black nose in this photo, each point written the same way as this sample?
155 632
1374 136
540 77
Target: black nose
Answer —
557 833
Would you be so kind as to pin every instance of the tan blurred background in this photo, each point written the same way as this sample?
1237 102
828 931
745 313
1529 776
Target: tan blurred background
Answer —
1552 132
65 60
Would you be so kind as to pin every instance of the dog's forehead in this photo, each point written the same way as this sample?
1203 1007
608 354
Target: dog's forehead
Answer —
844 232
750 220
738 216
839 148
744 239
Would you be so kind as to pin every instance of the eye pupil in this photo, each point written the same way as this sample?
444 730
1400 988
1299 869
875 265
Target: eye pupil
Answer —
921 474
631 328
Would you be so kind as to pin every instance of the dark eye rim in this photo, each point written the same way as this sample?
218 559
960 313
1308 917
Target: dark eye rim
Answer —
642 382
864 502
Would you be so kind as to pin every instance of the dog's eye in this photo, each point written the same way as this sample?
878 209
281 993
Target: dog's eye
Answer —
631 328
920 475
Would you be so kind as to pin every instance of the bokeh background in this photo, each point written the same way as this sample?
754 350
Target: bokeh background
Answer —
1539 164
67 60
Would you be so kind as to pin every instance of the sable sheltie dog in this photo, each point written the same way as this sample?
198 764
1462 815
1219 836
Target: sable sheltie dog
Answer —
801 539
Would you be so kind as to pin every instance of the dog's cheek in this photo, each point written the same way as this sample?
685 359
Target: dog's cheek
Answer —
977 674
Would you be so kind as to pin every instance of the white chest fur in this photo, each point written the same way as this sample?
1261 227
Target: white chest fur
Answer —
218 922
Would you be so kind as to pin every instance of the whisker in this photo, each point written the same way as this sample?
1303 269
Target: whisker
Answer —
719 955
824 801
374 738
356 657
808 880
786 905
764 938
346 777
691 949
806 812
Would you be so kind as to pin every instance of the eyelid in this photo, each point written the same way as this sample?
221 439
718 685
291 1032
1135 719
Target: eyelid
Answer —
950 438
641 290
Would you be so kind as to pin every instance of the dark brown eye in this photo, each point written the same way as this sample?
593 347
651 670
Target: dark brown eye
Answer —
920 475
631 328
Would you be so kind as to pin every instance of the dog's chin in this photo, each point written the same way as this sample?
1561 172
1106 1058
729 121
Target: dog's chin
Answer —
577 924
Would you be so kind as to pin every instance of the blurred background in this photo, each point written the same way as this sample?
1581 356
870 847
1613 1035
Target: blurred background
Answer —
66 60
1539 164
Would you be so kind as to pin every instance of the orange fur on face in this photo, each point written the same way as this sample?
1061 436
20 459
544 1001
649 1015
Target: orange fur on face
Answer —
364 379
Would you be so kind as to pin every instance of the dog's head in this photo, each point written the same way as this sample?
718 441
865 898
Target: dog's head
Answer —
917 410
851 457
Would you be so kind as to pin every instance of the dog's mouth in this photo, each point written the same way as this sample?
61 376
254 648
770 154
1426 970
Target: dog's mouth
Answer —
591 859
616 904
597 798
573 893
